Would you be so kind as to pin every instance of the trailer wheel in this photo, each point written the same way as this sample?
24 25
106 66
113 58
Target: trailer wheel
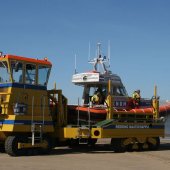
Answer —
92 142
140 146
117 144
156 145
72 143
11 145
129 148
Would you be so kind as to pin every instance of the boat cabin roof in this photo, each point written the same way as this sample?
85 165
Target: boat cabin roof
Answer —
94 77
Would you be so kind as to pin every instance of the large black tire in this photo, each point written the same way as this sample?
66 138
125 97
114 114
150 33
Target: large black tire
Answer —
2 147
49 147
117 145
11 145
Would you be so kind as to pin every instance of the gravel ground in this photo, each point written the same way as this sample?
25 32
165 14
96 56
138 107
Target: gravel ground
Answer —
100 157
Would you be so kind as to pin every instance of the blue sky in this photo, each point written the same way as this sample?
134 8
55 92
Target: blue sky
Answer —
138 30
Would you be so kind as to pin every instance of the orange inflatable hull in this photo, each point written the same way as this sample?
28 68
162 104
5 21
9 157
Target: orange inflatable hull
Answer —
99 113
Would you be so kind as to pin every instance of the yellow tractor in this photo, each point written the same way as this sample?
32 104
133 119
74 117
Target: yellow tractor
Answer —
30 115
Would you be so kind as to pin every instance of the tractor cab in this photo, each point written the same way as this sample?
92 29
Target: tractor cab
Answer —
22 80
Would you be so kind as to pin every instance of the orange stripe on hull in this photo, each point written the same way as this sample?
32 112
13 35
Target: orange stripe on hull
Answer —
97 110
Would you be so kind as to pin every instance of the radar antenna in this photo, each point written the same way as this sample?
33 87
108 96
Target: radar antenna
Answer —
99 59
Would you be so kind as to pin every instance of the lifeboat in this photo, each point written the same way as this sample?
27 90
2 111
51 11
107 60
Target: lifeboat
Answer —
98 78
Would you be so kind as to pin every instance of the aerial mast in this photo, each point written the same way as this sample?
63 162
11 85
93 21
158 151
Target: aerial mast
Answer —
98 50
75 64
109 52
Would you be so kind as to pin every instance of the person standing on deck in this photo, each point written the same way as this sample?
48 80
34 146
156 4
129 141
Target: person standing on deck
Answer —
136 99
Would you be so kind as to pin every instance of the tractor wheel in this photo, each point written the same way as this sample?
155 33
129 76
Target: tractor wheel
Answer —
2 147
11 146
47 149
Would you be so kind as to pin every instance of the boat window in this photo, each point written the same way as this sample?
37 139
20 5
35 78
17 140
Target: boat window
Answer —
5 76
100 91
17 71
43 75
123 91
92 91
30 75
104 91
119 91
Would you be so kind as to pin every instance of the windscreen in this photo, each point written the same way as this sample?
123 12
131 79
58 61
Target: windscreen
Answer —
43 75
4 72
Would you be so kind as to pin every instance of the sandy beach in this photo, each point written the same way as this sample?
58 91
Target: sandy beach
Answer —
101 157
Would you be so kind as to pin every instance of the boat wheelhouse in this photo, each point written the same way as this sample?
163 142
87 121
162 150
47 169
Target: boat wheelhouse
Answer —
98 79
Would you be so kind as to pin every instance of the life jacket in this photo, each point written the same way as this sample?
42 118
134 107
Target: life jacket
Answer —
95 99
136 96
